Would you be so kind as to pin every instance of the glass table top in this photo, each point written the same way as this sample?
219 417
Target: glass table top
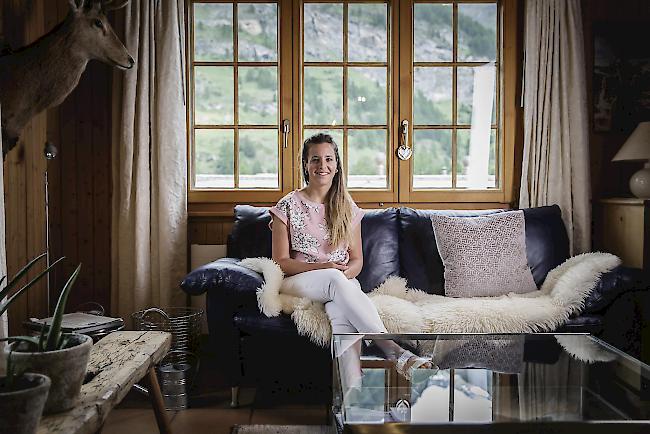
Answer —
486 378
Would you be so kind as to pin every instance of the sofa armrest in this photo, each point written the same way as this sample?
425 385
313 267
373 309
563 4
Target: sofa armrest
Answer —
228 279
612 285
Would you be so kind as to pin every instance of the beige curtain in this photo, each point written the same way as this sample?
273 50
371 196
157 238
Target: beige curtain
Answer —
555 168
149 218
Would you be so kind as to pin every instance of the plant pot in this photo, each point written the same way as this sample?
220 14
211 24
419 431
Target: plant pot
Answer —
21 408
66 368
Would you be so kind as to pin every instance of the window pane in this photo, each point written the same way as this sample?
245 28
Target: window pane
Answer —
367 155
323 96
258 158
214 164
432 159
432 33
214 95
477 32
323 32
432 96
213 32
258 32
476 156
477 94
367 96
367 33
258 95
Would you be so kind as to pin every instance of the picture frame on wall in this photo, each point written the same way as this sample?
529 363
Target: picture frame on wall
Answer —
621 76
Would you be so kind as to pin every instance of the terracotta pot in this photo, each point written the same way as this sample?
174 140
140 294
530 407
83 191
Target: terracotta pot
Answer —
21 409
66 368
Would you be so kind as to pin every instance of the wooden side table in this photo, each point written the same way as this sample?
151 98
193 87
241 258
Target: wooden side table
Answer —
117 362
624 230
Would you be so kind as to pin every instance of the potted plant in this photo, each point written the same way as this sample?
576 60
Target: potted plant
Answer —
22 398
22 394
62 357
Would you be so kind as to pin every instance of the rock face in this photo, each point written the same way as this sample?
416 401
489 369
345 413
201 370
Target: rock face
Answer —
66 368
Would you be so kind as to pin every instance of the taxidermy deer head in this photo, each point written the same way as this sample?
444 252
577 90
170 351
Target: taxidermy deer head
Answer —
42 74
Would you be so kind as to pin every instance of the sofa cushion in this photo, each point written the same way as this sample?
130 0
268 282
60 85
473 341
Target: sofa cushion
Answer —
483 256
547 243
250 236
419 258
255 323
379 235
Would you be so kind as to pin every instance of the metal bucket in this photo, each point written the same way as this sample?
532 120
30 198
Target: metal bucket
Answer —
175 379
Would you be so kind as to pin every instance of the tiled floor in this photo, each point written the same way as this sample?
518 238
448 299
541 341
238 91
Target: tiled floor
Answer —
210 410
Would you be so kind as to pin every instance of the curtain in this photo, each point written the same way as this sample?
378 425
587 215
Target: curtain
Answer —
555 167
551 391
4 325
149 209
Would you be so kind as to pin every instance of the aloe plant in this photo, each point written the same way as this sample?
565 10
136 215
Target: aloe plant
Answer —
4 305
51 338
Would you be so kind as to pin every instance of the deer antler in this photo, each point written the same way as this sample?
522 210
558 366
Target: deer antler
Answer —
106 5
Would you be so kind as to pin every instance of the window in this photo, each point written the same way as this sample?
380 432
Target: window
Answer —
420 79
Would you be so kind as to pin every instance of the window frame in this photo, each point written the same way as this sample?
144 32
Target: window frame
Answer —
400 191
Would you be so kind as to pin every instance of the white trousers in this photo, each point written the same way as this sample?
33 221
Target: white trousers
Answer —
347 306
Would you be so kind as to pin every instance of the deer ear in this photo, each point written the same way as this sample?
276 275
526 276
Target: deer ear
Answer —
109 6
76 5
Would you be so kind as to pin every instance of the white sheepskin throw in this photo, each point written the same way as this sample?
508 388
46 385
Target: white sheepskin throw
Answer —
407 310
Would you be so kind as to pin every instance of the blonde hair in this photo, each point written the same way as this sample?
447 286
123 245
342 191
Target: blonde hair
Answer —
338 213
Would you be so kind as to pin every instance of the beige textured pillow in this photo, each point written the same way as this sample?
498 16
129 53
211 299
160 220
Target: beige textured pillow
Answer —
485 255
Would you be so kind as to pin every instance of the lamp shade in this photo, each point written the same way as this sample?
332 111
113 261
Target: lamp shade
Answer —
637 146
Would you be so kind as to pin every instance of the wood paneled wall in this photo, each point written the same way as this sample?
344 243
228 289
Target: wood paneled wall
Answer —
609 179
79 178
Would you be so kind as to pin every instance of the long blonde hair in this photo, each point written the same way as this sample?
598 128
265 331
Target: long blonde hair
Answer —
338 213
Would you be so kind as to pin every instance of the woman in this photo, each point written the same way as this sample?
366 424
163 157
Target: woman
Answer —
317 243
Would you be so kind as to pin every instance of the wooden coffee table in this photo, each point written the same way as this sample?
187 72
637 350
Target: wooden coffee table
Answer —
117 362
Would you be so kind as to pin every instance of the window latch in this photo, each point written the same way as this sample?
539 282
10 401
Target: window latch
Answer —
286 129
404 150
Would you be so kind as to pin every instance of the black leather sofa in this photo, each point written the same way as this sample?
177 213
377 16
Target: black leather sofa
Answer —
395 242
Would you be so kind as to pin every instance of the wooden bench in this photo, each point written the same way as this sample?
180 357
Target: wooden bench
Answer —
117 362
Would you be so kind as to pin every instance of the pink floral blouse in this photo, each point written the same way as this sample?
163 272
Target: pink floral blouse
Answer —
308 231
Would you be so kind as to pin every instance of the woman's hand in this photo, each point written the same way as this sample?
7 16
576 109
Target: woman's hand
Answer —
336 265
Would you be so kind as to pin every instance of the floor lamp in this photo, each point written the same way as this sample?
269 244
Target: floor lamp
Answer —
49 152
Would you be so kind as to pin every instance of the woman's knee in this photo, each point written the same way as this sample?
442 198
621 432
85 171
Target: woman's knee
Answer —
336 280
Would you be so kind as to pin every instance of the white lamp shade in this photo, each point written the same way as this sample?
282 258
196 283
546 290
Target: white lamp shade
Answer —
637 146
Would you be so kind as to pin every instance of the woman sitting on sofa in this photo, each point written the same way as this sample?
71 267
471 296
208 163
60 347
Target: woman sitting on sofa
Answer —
317 243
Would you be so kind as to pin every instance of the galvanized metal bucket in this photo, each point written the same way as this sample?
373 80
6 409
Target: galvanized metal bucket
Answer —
176 379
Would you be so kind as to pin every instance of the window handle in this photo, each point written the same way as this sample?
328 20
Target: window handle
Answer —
404 151
286 128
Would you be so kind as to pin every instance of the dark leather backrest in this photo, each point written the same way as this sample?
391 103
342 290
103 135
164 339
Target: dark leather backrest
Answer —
419 258
251 237
379 235
547 244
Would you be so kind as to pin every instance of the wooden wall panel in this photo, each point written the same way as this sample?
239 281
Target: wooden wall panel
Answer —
609 179
79 177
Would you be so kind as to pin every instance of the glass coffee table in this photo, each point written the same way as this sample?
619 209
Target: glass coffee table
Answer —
489 383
